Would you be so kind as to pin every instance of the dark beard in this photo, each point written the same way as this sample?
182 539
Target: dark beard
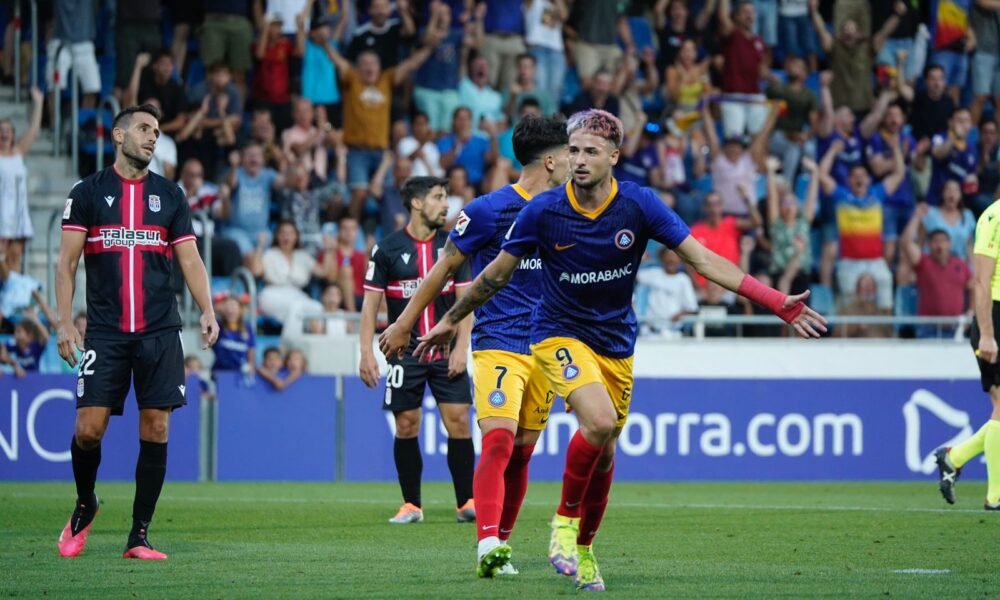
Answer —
135 160
432 224
587 186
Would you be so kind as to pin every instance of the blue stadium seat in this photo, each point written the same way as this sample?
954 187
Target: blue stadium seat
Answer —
642 33
221 285
571 85
88 145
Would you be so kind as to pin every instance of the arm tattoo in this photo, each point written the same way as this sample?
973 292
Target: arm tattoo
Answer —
450 249
482 290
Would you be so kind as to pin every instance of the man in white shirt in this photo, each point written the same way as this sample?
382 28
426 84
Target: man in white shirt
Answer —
671 295
420 149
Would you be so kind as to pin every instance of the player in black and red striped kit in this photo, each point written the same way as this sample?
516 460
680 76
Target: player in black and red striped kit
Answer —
398 264
128 223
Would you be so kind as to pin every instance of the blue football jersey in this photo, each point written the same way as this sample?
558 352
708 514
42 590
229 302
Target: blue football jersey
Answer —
504 322
590 260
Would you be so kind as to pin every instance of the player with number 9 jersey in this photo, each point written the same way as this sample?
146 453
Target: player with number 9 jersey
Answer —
591 234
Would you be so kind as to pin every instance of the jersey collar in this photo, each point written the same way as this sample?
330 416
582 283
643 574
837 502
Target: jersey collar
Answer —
126 179
591 214
521 191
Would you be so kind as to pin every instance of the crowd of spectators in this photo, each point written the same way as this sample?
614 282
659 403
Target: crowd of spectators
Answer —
843 146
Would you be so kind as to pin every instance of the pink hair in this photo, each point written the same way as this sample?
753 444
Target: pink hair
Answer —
598 122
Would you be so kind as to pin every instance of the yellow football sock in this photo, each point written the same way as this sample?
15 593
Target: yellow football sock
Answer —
992 450
969 449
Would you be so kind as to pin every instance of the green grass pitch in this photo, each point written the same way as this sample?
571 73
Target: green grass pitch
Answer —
662 540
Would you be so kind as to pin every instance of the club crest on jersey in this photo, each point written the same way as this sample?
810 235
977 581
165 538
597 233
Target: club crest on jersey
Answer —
624 239
571 372
497 398
154 203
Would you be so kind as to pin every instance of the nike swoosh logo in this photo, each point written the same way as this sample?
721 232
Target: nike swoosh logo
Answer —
561 247
572 504
486 527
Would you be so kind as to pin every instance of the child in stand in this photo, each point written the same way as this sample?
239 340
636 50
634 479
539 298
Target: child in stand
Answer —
24 354
281 376
236 348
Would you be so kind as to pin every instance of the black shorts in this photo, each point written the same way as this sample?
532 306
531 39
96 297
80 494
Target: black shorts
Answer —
404 385
156 363
989 373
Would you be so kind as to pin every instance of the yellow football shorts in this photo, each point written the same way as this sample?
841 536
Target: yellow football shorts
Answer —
569 364
511 386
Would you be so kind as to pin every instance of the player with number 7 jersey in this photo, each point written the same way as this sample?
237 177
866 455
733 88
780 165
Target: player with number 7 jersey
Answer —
512 397
128 224
591 235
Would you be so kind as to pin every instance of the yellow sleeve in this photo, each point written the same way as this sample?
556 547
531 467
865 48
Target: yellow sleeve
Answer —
988 234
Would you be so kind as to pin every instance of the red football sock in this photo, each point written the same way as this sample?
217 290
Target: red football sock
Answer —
515 480
594 504
581 458
488 484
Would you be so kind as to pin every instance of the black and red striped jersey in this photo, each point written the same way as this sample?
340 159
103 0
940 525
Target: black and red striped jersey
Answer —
397 266
131 227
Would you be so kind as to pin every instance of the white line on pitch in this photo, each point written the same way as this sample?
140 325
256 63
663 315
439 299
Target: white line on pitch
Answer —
654 505
922 571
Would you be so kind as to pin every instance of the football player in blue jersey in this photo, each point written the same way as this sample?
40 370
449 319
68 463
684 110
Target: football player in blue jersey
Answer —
512 396
590 235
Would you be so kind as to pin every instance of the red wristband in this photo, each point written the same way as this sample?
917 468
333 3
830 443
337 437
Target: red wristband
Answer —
769 298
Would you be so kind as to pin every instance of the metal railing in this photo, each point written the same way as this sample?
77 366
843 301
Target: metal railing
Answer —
34 43
954 326
56 101
243 274
17 52
18 23
110 101
50 266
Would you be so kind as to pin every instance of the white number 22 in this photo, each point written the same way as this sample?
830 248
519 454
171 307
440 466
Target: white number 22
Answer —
87 361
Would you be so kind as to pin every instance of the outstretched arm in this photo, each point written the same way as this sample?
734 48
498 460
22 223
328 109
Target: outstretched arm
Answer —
893 180
24 144
791 309
343 65
825 39
869 125
909 242
492 279
396 338
828 183
725 18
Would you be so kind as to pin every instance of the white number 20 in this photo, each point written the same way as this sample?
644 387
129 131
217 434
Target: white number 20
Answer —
394 377
87 362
